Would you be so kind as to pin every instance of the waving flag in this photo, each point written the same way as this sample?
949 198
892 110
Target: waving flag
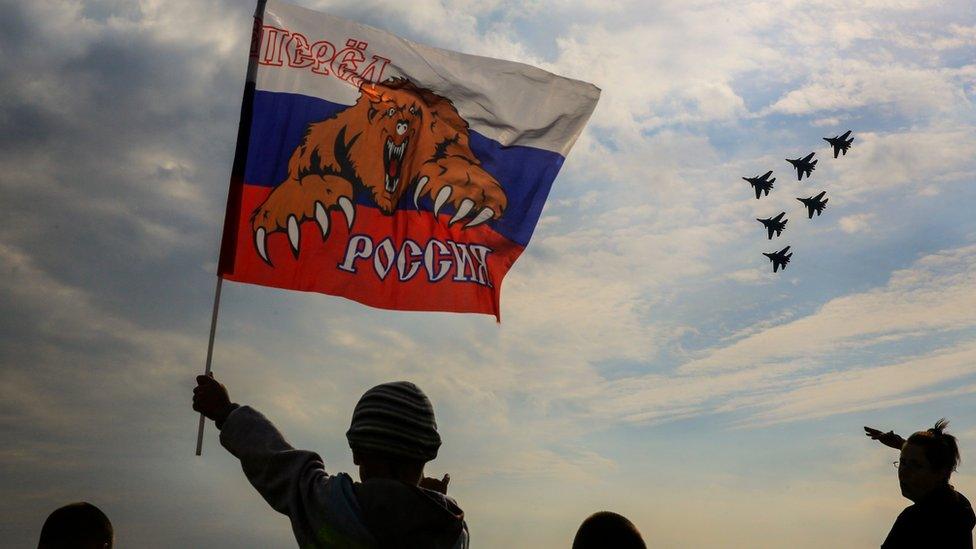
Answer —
395 174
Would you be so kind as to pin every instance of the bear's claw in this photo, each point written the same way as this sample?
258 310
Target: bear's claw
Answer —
322 217
260 240
348 209
442 196
416 192
463 210
483 215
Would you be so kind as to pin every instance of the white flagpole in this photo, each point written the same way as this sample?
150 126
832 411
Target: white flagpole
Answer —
240 156
213 331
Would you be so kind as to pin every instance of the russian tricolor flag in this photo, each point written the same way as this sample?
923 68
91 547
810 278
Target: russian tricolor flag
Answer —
395 174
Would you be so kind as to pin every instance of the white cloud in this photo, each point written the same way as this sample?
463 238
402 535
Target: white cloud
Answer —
790 371
750 276
908 382
647 82
920 159
857 223
830 121
848 85
937 293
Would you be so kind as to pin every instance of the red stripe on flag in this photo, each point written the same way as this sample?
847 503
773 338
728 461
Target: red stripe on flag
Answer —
406 261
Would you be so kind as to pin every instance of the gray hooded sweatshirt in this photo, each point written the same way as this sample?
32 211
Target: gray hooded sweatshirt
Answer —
332 510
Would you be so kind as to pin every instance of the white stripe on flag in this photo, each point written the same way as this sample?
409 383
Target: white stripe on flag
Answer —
511 103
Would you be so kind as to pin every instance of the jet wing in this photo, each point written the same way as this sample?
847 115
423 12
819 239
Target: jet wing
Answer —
769 229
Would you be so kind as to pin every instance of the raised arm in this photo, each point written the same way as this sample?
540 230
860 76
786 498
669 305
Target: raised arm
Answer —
322 508
889 439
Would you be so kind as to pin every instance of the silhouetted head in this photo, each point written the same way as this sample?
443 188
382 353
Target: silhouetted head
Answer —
76 526
606 530
393 433
927 460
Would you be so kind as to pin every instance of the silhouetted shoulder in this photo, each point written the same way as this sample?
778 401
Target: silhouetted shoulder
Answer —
944 520
396 511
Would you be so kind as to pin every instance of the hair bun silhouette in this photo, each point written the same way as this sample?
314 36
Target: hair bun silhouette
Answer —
940 426
940 447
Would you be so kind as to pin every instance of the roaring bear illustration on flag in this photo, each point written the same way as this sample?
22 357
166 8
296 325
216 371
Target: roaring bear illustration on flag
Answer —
395 132
395 174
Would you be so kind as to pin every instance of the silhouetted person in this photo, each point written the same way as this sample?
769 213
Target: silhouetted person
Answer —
392 436
77 526
606 530
940 516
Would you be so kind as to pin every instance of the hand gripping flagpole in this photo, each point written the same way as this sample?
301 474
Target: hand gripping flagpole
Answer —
213 331
232 216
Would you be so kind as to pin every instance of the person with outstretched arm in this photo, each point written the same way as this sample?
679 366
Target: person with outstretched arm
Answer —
392 436
940 516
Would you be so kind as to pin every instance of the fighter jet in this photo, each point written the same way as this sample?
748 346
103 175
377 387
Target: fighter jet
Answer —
774 224
803 165
780 258
814 204
761 183
840 143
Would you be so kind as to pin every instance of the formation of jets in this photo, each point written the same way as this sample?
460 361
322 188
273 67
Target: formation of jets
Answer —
840 143
762 184
803 165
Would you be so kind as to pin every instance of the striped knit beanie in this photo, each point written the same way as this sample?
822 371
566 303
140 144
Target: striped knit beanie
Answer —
395 419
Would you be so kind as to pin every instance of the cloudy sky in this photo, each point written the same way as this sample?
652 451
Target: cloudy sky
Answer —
648 363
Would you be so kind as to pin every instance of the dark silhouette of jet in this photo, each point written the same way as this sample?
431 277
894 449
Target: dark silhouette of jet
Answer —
840 143
761 183
803 165
774 224
780 258
814 204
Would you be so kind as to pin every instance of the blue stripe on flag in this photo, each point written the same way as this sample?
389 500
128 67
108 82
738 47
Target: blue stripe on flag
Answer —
525 173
